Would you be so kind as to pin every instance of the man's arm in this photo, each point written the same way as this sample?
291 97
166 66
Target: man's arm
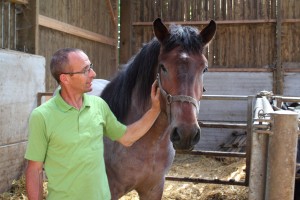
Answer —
34 180
139 128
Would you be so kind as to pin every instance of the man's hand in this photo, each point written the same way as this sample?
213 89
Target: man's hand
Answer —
155 96
139 128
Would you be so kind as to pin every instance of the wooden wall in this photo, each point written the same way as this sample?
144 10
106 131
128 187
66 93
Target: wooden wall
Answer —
250 35
42 27
256 48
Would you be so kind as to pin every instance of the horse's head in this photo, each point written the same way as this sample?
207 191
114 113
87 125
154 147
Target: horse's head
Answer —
181 65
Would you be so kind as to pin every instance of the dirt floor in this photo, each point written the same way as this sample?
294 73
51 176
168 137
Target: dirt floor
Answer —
183 166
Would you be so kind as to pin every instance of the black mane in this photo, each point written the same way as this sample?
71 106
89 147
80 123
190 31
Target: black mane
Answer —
140 71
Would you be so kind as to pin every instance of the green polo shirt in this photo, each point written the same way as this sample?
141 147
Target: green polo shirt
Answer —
70 143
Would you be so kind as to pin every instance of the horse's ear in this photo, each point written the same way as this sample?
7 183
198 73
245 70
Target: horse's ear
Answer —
208 32
160 30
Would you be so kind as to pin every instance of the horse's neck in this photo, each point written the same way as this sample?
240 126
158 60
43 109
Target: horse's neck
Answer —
159 133
136 109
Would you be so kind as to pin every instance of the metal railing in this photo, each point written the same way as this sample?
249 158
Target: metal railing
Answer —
233 125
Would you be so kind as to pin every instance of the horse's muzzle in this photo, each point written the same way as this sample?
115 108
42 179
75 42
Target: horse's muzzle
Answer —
184 137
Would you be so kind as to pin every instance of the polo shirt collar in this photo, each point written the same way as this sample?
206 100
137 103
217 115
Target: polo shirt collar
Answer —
64 106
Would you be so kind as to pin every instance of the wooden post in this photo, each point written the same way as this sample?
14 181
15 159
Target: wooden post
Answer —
126 31
278 72
28 35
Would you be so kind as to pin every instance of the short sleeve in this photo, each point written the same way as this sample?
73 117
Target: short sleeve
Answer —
37 140
113 128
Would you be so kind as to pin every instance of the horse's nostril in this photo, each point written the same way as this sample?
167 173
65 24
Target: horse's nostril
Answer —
196 137
175 137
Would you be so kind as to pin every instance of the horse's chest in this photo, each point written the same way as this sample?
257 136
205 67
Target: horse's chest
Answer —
158 160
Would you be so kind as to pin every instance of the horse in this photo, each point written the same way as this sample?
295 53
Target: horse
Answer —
174 57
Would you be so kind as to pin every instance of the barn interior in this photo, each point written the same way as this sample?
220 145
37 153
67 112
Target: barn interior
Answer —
255 49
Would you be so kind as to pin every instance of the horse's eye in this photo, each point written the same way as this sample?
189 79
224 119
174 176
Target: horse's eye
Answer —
205 69
204 90
163 68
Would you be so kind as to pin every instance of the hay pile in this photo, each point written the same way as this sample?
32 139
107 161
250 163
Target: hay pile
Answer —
183 166
203 167
18 191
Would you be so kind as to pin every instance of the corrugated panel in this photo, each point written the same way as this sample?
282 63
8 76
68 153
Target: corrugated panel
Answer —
228 83
292 84
237 83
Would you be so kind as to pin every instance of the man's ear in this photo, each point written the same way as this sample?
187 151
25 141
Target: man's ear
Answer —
63 78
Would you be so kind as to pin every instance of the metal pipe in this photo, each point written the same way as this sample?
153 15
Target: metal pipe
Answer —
282 151
249 131
201 180
224 97
259 143
214 153
217 124
288 99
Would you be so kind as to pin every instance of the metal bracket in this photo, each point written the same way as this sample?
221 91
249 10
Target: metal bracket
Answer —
263 126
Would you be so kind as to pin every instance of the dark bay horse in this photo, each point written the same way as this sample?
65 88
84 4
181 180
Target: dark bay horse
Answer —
175 58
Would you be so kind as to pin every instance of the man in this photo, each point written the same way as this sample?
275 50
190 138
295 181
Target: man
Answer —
66 133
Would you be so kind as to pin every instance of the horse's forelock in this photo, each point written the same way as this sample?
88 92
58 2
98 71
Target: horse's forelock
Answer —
186 37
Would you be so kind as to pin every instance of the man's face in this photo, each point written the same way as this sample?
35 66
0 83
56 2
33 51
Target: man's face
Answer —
80 74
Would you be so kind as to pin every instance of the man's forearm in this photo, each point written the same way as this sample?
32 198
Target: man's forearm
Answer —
34 184
136 130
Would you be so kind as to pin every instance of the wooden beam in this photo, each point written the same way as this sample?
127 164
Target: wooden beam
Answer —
297 70
240 69
111 12
19 1
73 30
36 26
258 21
126 31
278 73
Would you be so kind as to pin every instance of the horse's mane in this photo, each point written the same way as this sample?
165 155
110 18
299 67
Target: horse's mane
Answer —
138 72
141 69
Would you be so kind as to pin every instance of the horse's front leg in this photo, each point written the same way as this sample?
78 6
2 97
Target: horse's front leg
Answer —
152 193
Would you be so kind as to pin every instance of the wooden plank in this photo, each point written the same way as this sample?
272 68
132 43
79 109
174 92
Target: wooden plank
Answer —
111 12
219 22
240 69
126 30
19 1
73 30
278 78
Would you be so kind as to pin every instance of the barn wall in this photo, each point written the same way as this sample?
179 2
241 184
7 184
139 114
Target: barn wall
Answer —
21 78
254 49
41 27
250 35
93 16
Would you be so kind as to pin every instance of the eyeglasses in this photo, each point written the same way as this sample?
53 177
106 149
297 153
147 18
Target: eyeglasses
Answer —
85 71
